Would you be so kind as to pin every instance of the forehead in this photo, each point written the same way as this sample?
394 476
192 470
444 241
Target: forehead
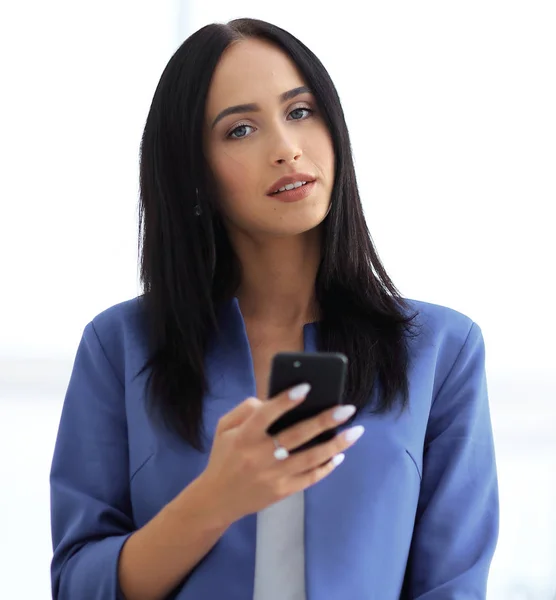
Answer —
250 71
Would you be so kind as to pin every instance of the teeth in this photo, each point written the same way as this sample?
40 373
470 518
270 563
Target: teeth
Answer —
290 186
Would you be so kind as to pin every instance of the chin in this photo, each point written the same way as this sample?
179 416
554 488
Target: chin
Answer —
293 225
285 220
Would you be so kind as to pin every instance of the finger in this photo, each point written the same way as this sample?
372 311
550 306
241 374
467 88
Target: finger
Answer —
239 414
309 478
306 430
274 408
312 458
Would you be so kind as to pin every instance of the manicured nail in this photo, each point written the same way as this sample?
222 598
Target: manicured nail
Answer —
343 413
299 392
338 459
354 433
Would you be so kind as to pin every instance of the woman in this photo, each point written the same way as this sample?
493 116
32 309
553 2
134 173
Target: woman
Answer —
164 481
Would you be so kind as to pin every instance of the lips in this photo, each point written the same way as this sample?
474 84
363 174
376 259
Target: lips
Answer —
295 194
289 180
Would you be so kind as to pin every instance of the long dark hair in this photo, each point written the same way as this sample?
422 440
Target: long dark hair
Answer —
188 268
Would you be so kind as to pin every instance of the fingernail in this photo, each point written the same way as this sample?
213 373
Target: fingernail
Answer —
299 391
343 413
354 433
338 459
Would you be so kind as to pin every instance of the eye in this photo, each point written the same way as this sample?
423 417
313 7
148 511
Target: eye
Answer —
297 113
239 132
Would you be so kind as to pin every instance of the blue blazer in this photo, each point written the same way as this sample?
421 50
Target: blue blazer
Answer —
412 512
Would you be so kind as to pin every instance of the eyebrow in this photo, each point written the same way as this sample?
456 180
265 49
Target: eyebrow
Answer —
243 108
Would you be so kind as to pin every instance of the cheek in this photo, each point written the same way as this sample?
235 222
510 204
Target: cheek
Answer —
236 181
322 154
232 174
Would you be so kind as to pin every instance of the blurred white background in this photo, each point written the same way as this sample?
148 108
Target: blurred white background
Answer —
451 112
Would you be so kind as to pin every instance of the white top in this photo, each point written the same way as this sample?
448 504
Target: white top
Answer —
280 554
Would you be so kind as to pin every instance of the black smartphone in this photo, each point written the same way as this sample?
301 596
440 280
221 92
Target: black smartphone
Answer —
324 371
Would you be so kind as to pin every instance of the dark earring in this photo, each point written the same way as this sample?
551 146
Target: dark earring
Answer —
197 207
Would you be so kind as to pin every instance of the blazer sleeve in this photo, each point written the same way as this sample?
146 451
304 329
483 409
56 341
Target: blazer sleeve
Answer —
456 528
89 480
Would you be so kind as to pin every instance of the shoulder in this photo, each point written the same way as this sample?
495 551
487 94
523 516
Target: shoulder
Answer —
443 331
440 319
120 330
124 315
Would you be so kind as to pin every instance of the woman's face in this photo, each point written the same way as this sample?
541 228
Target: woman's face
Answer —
280 133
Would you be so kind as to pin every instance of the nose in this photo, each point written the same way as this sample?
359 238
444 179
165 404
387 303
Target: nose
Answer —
285 149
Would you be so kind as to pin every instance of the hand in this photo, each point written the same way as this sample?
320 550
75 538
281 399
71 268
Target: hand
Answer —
244 476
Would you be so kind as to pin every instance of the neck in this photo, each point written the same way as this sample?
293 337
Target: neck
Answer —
278 278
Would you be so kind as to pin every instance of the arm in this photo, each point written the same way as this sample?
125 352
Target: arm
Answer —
90 499
157 557
456 526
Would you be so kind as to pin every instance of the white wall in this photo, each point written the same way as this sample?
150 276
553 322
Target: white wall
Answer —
77 80
450 109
